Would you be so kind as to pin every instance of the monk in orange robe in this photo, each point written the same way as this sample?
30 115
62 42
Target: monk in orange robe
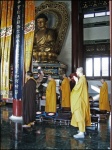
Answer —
65 88
104 101
80 106
50 105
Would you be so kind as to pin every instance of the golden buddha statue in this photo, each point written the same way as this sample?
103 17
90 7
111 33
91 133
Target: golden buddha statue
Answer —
44 41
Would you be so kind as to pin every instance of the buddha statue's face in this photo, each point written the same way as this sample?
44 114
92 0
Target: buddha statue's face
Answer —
41 23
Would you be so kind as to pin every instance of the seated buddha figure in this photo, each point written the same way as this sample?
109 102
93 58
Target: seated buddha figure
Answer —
44 41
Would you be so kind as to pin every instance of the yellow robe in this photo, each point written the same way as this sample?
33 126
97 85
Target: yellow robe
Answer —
80 106
45 43
65 87
104 101
51 97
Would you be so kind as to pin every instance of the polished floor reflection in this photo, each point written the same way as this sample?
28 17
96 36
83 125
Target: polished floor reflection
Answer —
50 136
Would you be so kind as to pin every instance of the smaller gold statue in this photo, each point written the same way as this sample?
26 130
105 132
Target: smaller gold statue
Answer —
44 41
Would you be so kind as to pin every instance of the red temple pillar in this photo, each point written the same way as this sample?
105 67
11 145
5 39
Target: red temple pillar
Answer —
80 42
77 36
74 34
17 108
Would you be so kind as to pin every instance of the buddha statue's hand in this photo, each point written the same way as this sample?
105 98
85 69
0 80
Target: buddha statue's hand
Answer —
47 49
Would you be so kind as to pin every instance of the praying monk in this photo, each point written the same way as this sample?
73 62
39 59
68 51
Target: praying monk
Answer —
65 88
50 105
104 101
80 106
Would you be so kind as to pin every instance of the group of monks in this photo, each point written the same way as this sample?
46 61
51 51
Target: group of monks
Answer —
76 98
51 100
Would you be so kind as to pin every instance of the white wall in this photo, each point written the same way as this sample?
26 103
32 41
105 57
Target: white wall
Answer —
96 19
65 55
96 33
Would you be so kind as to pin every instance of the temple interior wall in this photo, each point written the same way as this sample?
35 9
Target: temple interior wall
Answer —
93 33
